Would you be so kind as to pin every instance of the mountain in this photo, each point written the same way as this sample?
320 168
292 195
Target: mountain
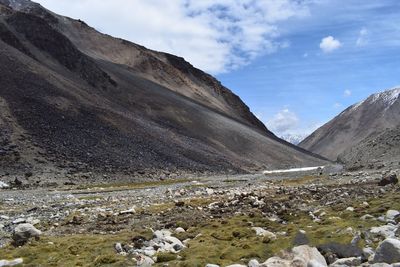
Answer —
75 100
365 134
294 139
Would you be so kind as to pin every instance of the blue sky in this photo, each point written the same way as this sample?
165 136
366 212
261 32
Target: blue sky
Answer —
296 63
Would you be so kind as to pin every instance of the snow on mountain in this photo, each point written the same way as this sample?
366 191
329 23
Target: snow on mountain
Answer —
295 139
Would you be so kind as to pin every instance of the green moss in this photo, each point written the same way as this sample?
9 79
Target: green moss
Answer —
73 250
166 257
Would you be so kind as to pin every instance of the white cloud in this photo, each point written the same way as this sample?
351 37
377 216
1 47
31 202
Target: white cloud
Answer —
362 39
214 35
283 121
287 125
329 44
347 93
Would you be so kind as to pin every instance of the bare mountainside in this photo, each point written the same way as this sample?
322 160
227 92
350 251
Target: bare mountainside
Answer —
77 101
365 134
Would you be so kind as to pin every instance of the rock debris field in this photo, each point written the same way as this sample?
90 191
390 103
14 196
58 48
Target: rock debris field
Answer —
296 219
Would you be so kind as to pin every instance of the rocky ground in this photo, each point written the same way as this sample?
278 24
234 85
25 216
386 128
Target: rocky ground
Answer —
300 219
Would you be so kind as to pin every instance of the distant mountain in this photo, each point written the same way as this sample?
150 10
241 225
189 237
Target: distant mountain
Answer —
74 99
365 134
294 139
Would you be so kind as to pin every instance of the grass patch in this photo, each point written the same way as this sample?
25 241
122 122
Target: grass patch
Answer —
72 250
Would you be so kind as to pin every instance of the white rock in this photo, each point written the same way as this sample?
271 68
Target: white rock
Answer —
262 232
300 256
385 231
3 185
212 265
353 261
388 251
367 217
19 220
253 263
368 254
179 230
350 209
130 211
144 261
209 191
23 232
6 263
391 214
308 254
118 247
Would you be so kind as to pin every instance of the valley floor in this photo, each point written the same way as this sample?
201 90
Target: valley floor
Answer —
220 220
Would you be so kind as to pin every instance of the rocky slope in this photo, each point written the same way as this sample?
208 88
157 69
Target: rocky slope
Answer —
363 134
76 101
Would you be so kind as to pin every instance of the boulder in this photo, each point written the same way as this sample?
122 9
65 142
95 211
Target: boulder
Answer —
384 231
300 256
23 232
390 179
392 214
334 251
308 254
388 251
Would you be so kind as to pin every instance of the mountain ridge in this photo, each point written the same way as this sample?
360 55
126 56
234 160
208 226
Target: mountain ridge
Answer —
363 121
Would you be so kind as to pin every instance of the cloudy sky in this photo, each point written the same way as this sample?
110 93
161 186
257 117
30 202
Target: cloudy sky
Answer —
296 63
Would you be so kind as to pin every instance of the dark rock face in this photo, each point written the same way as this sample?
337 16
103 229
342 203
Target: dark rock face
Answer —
390 179
9 38
44 37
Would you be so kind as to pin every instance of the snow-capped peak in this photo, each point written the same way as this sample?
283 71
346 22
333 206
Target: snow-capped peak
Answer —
388 97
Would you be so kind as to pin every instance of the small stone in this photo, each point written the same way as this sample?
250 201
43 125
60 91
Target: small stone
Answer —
351 209
209 191
19 220
262 232
180 230
130 211
118 247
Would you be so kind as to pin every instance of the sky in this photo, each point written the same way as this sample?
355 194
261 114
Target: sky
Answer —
295 63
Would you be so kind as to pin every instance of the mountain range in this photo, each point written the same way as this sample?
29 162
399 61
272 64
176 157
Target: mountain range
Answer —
76 100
